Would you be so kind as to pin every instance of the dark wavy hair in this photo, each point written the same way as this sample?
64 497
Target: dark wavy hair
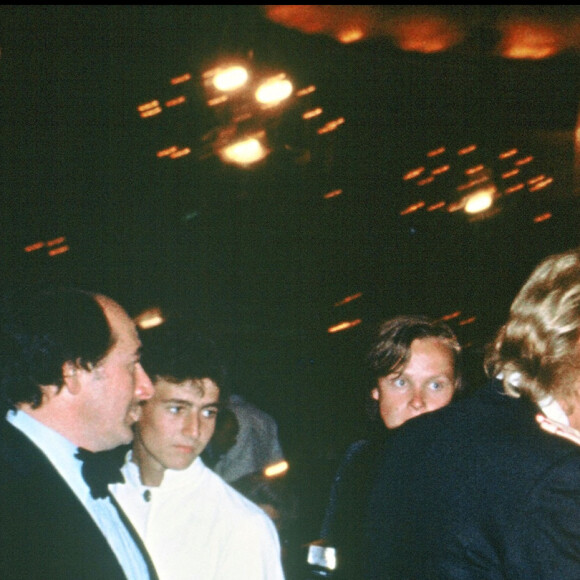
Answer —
175 351
42 330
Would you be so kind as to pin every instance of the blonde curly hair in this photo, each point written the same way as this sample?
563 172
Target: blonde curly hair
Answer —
537 351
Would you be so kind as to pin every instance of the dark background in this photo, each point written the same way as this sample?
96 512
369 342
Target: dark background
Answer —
258 256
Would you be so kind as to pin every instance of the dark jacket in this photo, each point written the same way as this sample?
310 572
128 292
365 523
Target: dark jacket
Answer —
45 531
476 490
343 525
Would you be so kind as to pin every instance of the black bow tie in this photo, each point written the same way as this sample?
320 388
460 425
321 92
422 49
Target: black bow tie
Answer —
104 467
100 469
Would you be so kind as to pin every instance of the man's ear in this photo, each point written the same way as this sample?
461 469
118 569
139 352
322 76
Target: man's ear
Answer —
71 379
375 393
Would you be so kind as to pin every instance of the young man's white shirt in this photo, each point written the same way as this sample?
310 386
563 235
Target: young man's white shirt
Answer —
196 526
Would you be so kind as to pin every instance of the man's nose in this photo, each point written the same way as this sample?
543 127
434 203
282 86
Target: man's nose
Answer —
417 399
143 386
191 426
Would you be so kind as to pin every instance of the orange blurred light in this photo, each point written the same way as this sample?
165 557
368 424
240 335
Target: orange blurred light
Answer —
507 154
344 326
426 33
466 150
436 206
348 299
305 91
166 152
529 40
332 193
542 217
542 184
524 160
176 101
471 183
308 18
510 173
181 79
330 126
180 153
56 241
475 169
151 112
426 181
452 315
57 251
440 170
413 208
413 173
467 321
148 106
435 152
34 247
350 35
312 113
217 100
513 188
536 179
453 207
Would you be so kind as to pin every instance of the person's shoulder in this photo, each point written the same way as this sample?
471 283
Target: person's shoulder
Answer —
241 512
19 457
358 451
224 495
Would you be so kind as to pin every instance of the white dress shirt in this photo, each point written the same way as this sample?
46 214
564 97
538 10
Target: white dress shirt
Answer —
197 527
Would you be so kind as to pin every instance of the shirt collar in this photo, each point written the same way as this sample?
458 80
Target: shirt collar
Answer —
553 410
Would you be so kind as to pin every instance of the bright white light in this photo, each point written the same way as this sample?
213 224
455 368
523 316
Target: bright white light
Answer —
274 91
479 201
322 556
231 78
244 152
276 469
150 318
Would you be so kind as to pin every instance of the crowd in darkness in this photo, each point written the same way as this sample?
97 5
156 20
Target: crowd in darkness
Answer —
127 454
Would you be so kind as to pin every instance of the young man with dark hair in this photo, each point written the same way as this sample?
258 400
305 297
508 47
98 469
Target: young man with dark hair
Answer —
192 522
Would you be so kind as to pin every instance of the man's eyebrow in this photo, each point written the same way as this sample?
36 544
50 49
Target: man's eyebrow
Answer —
176 401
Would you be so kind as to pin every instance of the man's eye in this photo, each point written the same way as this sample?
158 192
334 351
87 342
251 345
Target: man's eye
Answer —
438 385
175 409
209 413
399 382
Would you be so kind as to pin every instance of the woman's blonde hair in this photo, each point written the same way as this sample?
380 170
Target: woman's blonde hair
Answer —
537 352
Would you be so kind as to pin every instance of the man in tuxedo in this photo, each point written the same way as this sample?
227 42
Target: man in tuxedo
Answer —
489 487
71 384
